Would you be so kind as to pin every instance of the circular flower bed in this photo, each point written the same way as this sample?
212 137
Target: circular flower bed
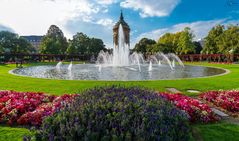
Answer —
117 113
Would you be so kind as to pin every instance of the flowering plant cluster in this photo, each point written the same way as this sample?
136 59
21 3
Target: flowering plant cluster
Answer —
193 107
21 107
228 100
119 114
46 109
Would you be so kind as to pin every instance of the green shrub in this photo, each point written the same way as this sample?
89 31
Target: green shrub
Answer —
117 114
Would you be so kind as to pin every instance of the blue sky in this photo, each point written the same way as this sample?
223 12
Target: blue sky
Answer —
147 18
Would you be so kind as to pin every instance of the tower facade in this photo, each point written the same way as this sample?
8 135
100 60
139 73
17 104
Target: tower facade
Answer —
126 30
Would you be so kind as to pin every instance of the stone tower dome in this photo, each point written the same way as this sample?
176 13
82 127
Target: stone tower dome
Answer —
126 30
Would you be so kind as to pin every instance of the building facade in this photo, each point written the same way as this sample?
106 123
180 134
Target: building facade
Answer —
35 41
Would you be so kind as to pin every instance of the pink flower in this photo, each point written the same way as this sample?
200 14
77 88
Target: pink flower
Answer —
23 107
196 110
228 100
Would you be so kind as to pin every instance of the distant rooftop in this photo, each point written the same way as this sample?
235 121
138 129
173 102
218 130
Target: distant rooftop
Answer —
33 37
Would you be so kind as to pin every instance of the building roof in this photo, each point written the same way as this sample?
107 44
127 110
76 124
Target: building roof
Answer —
33 37
122 22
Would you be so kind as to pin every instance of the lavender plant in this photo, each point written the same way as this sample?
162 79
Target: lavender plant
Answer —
117 113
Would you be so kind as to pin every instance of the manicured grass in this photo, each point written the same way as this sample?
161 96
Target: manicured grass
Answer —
219 131
12 134
58 87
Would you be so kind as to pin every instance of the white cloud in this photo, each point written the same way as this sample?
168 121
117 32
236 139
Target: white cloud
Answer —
199 28
151 8
106 2
28 17
105 22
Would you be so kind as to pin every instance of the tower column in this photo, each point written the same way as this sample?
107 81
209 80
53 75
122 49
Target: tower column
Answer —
126 30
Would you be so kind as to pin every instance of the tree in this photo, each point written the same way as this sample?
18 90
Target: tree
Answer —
12 43
212 40
23 46
185 42
71 50
82 44
8 41
168 43
229 40
198 47
96 45
54 41
143 45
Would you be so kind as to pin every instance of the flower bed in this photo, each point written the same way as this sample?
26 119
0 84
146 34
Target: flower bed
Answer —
196 110
46 109
29 108
21 106
119 114
228 100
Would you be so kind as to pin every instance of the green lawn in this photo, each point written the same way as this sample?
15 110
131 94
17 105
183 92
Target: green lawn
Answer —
12 133
219 131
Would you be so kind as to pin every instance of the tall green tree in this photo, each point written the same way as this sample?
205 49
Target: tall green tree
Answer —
8 41
54 41
143 44
212 40
96 45
229 40
185 42
82 44
167 43
12 43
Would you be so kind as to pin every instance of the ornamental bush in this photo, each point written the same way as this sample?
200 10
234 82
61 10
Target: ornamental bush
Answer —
116 113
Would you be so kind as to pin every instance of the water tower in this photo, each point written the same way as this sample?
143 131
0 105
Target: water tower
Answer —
126 30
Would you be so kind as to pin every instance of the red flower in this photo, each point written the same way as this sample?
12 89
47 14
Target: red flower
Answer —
196 110
14 105
228 100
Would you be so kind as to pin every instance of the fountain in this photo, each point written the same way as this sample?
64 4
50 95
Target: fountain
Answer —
121 65
100 67
175 57
160 63
121 51
58 65
70 67
150 66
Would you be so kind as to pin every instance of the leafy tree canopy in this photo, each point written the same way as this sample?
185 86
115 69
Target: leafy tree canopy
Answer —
222 40
82 44
143 44
12 43
54 41
179 43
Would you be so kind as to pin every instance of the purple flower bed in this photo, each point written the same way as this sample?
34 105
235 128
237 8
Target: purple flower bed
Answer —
117 113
